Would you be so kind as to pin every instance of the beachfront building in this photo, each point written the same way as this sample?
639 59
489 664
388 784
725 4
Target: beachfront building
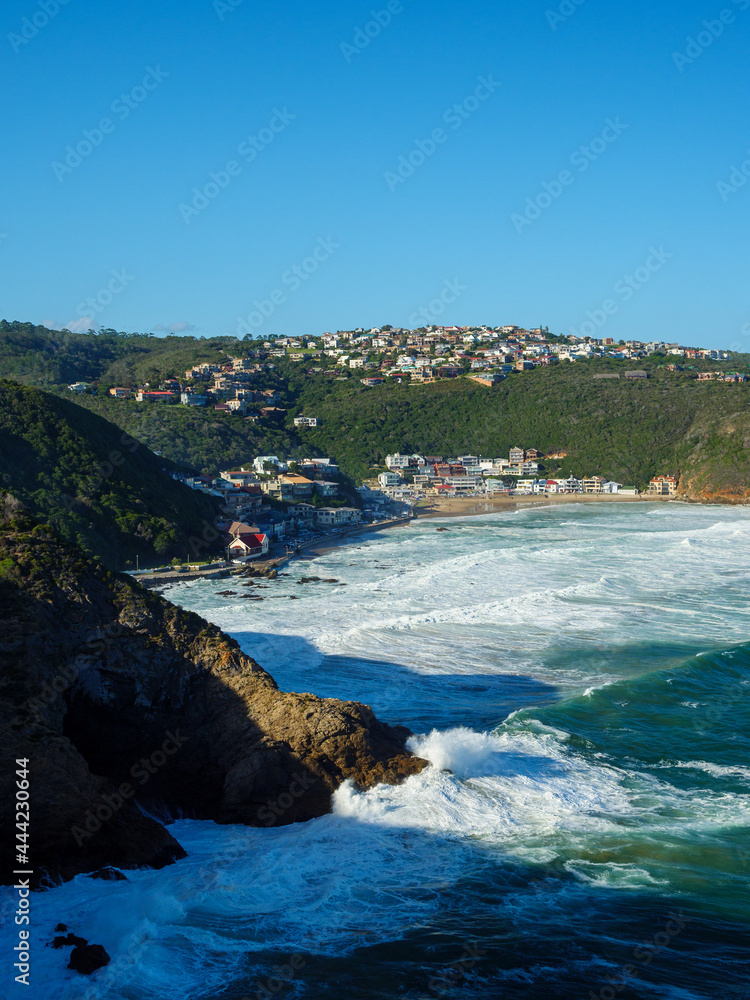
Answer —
247 546
663 486
337 517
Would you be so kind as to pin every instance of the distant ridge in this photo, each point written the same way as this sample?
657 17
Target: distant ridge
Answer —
97 485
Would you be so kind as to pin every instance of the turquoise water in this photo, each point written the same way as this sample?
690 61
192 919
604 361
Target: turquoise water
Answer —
583 673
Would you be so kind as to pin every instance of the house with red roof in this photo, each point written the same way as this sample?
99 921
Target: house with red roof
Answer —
247 546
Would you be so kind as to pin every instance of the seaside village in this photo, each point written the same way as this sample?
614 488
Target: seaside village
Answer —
413 356
274 501
297 502
411 476
278 502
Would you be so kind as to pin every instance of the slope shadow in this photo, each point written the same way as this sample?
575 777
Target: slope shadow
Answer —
400 695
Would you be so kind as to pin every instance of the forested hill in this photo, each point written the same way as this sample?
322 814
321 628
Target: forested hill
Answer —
622 429
626 430
98 486
35 355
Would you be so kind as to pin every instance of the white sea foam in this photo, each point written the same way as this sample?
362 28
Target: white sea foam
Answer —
521 601
716 770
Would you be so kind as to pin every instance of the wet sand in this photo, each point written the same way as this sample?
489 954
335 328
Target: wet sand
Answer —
473 506
437 507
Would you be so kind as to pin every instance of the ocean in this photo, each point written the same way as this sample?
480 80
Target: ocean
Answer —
579 678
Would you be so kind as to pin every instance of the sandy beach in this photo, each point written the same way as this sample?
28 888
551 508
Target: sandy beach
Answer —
437 507
473 506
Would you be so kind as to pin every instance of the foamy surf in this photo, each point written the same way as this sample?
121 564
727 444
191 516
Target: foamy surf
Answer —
585 775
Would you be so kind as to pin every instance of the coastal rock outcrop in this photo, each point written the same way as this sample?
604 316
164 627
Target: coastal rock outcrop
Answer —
129 708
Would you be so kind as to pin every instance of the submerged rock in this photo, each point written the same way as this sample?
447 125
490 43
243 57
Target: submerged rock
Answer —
109 874
88 958
71 941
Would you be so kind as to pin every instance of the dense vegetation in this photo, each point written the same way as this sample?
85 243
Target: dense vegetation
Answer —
96 485
49 358
624 430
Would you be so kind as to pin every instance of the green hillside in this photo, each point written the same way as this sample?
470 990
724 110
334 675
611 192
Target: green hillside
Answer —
98 486
626 430
35 355
622 429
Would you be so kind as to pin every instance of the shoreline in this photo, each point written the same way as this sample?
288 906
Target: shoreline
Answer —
440 507
475 506
433 509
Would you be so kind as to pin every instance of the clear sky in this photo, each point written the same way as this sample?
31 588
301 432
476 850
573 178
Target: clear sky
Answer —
517 162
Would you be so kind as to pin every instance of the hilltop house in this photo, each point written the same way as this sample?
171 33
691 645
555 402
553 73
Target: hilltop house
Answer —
386 479
240 478
289 487
193 399
143 396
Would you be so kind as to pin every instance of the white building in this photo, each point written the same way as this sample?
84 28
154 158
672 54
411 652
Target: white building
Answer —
305 421
240 477
336 517
397 461
386 479
259 463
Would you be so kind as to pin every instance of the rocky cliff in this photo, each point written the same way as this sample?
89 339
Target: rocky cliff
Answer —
130 708
717 467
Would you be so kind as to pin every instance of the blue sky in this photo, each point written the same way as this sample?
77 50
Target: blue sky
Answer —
560 163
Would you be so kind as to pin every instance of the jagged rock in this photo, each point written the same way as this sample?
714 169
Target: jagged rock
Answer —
123 700
109 874
88 958
71 941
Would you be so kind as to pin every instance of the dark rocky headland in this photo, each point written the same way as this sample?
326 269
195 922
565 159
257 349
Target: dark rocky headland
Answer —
123 702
